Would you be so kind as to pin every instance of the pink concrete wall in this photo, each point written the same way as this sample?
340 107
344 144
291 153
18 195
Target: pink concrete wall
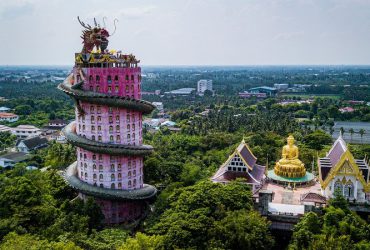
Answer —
125 172
113 81
117 126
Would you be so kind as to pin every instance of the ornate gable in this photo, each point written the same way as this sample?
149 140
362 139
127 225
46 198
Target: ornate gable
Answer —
346 165
346 169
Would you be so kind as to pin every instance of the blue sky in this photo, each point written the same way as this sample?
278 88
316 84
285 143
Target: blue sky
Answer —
192 32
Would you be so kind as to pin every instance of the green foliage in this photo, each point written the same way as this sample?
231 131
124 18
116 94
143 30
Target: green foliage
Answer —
194 212
335 229
110 238
60 155
242 229
14 241
7 140
39 203
317 140
143 242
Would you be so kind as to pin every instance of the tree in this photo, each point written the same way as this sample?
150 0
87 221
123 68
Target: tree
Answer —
317 140
23 109
191 173
242 229
342 131
192 211
361 132
14 241
351 131
143 242
336 228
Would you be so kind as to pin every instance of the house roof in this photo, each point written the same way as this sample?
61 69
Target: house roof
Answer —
16 157
255 173
313 197
34 142
4 109
263 88
60 121
7 115
4 128
26 127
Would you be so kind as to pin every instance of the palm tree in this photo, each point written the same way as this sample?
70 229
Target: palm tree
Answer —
361 132
351 131
331 130
342 131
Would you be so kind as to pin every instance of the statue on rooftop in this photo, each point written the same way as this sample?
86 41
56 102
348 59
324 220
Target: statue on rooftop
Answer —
289 165
94 37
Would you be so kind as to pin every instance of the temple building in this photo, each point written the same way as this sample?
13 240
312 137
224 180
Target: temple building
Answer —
107 131
241 164
340 171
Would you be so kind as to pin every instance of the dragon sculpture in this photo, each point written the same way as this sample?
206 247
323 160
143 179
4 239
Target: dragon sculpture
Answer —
95 37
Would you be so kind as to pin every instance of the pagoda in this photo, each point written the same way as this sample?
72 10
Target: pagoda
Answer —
107 132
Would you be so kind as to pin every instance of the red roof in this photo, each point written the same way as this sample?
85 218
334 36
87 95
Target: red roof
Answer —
7 115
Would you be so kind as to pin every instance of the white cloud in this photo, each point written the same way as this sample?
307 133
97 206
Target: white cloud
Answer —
129 13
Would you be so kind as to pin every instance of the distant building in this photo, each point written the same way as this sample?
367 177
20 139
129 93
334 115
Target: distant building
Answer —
204 85
28 145
156 92
57 123
4 109
168 124
182 91
281 86
24 131
347 110
4 128
153 123
241 164
247 94
264 89
159 106
340 171
353 102
9 160
8 117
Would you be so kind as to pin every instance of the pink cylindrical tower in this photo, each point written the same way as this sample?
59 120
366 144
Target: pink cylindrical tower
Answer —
107 132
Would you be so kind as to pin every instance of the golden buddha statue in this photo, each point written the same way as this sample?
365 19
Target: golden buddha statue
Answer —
289 165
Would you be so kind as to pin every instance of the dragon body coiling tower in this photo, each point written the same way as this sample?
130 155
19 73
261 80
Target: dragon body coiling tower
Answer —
106 89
